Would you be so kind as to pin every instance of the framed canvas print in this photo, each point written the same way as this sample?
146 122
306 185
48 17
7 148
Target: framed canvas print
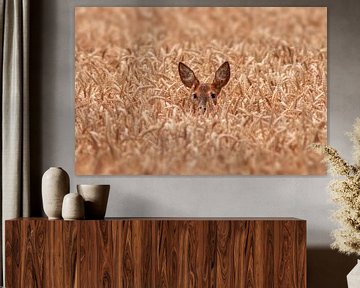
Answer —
200 90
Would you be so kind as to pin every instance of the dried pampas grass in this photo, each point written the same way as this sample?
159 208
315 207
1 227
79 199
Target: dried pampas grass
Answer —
345 192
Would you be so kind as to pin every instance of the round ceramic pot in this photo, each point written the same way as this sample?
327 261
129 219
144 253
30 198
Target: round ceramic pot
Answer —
55 185
96 198
73 207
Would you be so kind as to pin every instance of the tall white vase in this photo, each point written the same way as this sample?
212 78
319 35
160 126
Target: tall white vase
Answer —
353 278
55 185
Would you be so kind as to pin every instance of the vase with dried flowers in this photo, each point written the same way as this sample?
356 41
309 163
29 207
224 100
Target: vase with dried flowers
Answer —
345 192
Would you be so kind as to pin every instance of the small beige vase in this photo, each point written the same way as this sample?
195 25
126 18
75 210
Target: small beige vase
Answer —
55 185
73 207
96 198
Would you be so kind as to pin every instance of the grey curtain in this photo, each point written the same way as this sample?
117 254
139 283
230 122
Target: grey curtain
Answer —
14 27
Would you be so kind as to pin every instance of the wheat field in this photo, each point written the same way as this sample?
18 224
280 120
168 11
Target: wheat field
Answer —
133 115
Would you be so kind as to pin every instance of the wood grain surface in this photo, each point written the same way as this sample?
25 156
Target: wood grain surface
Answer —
159 252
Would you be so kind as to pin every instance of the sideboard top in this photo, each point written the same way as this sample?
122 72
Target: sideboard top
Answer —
174 219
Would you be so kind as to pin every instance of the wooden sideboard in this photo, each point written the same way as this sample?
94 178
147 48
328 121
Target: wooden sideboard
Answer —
156 252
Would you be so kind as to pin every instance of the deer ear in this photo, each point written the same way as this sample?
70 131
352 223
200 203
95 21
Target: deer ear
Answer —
222 75
187 76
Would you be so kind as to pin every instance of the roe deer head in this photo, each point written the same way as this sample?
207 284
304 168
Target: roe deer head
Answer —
201 93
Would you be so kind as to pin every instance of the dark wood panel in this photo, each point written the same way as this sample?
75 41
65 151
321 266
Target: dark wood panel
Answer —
71 247
224 251
33 253
156 253
55 266
95 254
12 252
301 256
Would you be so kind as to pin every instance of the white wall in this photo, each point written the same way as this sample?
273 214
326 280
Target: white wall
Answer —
52 122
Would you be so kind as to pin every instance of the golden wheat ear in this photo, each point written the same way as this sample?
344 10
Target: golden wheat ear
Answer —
187 76
222 75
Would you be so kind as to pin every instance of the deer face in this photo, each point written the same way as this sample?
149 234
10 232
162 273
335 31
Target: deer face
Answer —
201 93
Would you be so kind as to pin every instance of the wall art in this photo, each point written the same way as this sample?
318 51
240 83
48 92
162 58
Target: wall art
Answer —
200 90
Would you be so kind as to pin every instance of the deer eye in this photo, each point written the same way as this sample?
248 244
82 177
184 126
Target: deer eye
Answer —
213 95
194 96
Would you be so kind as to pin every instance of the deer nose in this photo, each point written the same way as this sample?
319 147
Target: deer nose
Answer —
202 108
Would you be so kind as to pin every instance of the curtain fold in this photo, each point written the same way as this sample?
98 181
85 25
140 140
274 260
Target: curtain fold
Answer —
14 112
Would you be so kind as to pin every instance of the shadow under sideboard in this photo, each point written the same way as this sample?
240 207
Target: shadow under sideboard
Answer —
328 268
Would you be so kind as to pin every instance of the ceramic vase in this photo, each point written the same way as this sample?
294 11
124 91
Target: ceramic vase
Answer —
353 278
55 185
73 207
96 198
